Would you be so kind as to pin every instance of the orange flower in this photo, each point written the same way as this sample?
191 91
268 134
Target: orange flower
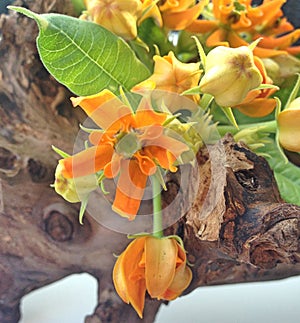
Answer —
121 17
171 75
289 126
130 146
237 23
258 102
179 14
155 265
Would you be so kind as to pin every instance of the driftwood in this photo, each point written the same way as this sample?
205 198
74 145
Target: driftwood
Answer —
236 228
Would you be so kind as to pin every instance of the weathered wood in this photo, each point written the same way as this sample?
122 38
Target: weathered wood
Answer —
235 227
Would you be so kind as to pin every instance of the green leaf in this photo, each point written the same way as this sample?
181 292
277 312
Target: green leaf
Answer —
287 175
84 56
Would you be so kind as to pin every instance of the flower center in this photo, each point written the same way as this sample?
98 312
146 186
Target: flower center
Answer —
128 145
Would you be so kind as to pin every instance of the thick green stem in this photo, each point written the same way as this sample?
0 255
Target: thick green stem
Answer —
157 212
267 126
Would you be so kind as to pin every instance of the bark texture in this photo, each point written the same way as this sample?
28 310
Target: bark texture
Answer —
236 228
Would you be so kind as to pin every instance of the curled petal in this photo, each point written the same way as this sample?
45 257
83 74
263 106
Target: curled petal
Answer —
129 278
181 19
160 263
112 169
182 279
146 164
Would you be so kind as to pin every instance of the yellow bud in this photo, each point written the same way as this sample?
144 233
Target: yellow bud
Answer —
230 73
289 126
73 189
120 17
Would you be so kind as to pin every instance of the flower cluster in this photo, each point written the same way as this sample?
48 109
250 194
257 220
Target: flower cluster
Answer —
237 23
225 57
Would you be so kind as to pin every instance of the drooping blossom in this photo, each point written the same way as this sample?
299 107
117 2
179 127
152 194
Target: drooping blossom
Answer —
238 23
155 265
129 147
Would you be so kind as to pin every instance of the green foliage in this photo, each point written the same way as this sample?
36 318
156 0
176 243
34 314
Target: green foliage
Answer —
287 175
84 56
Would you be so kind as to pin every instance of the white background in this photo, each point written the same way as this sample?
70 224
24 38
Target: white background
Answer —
71 299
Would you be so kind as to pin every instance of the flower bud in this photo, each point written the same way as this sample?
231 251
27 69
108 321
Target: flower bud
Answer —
73 189
230 73
289 126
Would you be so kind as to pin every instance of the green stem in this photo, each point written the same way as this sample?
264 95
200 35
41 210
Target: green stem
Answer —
267 126
157 212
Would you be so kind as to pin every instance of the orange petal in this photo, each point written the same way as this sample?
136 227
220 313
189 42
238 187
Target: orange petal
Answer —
202 26
129 278
265 52
280 42
146 164
235 40
217 38
103 108
294 50
182 279
160 263
258 107
180 20
130 189
163 157
174 146
112 169
88 161
146 116
271 11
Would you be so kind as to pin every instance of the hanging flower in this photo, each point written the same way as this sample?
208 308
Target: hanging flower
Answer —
155 265
171 75
121 17
289 126
179 14
238 23
129 147
230 73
